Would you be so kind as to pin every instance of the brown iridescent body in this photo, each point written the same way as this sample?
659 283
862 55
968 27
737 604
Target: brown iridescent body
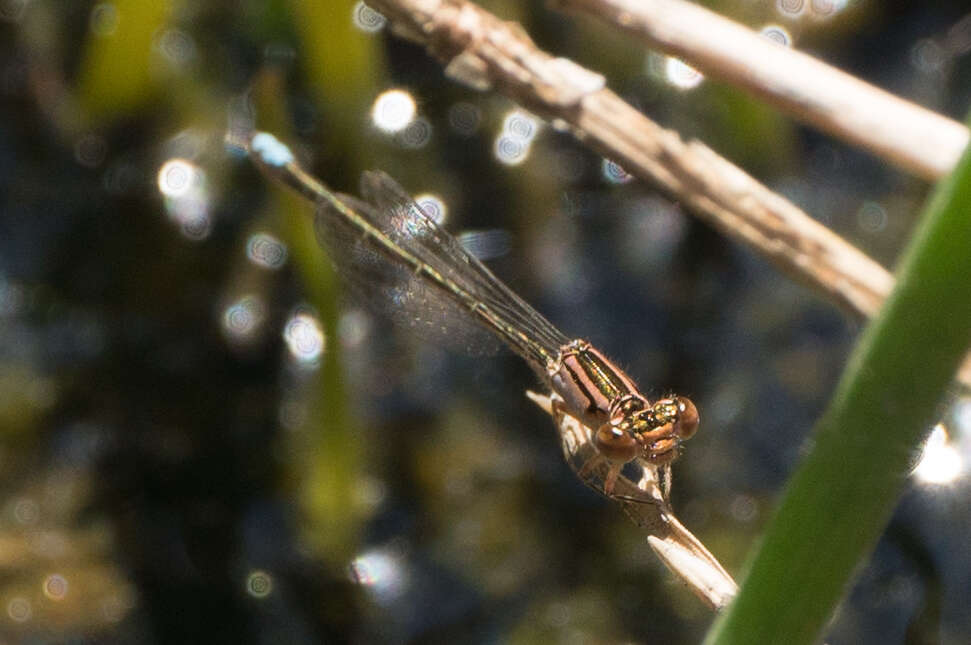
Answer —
626 425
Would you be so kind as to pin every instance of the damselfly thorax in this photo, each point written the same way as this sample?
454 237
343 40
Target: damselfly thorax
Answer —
625 425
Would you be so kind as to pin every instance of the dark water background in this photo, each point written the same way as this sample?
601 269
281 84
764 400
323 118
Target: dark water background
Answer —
200 443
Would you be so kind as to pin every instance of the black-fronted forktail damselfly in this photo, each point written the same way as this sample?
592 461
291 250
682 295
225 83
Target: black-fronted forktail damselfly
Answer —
626 427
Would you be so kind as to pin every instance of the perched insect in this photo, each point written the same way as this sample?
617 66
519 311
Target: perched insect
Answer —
626 425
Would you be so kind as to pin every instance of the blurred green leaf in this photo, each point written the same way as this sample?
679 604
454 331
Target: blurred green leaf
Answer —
332 454
342 64
116 72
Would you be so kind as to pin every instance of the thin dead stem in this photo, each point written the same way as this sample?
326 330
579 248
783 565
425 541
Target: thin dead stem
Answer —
907 135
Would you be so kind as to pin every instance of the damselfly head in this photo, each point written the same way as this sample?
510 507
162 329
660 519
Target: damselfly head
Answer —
660 428
680 413
637 429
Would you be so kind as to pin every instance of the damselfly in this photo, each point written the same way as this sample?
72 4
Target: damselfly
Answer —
626 427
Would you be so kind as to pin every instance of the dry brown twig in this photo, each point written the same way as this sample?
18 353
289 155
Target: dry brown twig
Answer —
484 52
907 135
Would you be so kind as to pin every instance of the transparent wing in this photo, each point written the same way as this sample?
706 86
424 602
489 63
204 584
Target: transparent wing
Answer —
396 214
371 278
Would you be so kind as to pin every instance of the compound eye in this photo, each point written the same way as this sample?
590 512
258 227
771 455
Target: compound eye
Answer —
616 444
688 419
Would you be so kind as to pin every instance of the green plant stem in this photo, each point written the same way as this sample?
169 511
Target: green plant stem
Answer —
116 73
840 498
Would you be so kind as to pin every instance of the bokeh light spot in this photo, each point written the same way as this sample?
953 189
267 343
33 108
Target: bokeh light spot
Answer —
259 584
681 75
266 251
304 338
824 9
510 151
778 34
104 19
744 508
176 47
613 173
393 110
19 609
175 177
940 463
242 319
433 207
415 135
519 128
928 56
26 511
872 217
464 118
962 417
186 197
790 8
367 19
520 125
380 572
55 586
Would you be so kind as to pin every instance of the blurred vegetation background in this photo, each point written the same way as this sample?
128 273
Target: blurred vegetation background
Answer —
201 441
